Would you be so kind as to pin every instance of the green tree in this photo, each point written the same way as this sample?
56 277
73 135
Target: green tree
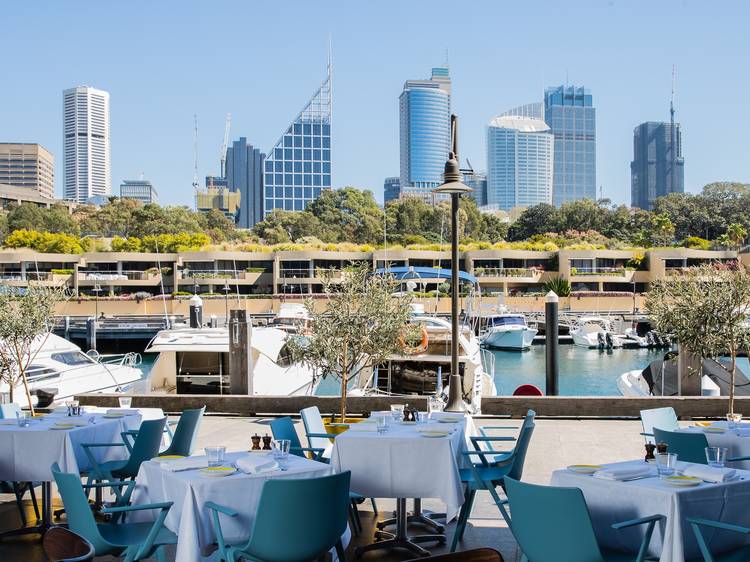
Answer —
539 219
25 217
348 215
582 215
737 234
662 230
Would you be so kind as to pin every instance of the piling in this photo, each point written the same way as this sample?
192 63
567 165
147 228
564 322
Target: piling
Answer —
240 355
91 333
551 343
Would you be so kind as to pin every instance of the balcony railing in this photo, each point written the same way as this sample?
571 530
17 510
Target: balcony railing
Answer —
222 273
125 275
604 271
296 273
520 272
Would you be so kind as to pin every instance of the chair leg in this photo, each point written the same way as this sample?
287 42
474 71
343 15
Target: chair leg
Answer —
374 506
463 518
18 492
340 552
161 554
354 517
32 493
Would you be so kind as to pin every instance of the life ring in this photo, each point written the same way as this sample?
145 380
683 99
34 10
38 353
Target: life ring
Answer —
421 348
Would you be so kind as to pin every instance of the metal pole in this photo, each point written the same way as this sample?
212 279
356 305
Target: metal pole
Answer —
551 347
455 399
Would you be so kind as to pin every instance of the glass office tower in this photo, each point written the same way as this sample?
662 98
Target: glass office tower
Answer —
298 166
655 170
244 173
569 112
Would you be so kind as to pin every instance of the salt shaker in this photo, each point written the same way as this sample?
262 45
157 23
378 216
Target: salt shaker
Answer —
256 442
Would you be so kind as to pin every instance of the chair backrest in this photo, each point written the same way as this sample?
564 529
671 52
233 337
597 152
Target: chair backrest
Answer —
551 524
663 418
80 517
9 411
186 433
474 555
63 545
522 445
146 445
313 423
283 428
299 519
690 447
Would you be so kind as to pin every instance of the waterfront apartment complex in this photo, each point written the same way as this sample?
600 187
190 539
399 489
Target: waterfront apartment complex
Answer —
140 190
244 175
28 165
658 167
424 133
569 112
520 152
86 149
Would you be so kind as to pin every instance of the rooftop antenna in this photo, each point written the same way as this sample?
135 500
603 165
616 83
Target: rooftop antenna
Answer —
195 154
224 145
672 138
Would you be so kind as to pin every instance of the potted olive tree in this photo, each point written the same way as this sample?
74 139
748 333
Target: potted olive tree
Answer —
364 320
707 309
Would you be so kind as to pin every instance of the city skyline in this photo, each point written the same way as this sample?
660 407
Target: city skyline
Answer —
152 125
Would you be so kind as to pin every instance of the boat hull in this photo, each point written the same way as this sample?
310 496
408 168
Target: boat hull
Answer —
515 340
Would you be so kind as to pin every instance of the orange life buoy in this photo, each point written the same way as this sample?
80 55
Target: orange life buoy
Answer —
421 348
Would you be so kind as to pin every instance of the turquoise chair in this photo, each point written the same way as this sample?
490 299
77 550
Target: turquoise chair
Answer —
689 446
315 431
18 489
132 541
185 434
9 411
552 524
493 468
741 554
663 418
296 520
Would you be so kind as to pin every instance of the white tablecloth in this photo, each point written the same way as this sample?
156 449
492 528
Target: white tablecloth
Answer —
26 454
612 502
404 464
738 445
190 491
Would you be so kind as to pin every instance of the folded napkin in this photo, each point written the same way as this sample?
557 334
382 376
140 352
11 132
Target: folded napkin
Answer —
255 463
71 421
123 411
623 473
709 473
190 463
363 426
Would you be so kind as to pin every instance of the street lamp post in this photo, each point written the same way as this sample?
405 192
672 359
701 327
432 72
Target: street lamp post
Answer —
453 186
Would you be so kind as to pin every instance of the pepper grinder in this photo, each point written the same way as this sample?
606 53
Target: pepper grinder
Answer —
266 442
650 452
661 447
256 442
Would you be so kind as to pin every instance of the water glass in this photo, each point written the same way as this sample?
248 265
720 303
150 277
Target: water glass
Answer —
716 456
215 455
280 452
397 412
75 406
23 419
125 401
734 421
382 422
665 464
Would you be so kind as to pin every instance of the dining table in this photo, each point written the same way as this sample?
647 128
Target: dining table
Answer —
191 489
735 439
406 462
614 501
29 452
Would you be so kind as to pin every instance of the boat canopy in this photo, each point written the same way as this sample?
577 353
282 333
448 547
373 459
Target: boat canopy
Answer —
407 273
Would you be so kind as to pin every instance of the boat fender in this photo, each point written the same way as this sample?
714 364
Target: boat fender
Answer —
610 340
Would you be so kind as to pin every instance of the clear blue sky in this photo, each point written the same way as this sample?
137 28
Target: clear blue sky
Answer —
260 61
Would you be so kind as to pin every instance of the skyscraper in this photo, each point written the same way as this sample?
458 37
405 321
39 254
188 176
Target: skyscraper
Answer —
28 165
424 132
520 155
570 114
244 173
391 189
299 164
140 190
658 167
478 182
86 143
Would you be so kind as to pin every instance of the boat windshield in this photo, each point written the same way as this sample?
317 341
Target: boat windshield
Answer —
72 358
508 321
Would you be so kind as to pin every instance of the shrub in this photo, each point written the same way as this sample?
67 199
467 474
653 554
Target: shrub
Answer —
558 285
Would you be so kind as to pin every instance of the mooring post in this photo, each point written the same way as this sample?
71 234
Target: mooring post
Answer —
240 354
551 343
91 333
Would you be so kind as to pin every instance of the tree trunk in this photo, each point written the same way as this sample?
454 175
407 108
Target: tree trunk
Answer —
344 376
733 370
28 392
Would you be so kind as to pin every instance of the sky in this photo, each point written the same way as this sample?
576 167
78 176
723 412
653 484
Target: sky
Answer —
163 62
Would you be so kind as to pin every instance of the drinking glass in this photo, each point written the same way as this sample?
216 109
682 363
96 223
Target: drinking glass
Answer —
23 419
382 424
397 412
215 455
75 405
125 401
716 456
280 451
665 464
734 421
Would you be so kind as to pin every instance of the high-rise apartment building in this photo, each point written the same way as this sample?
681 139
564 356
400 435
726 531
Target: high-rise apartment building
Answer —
140 190
28 165
424 132
520 155
569 112
478 182
244 174
298 166
86 149
658 167
391 189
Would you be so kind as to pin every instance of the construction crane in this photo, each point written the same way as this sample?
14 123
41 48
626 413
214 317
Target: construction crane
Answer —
196 185
223 155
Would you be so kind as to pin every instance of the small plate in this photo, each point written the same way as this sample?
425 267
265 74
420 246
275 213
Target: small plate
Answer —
682 481
434 433
62 426
218 471
714 429
584 468
113 416
168 458
450 419
408 423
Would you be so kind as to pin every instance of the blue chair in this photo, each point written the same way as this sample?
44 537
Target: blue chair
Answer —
296 520
133 541
493 468
689 446
18 489
741 554
185 434
63 545
553 524
663 418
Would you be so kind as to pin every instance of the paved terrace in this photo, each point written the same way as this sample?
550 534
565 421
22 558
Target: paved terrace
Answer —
555 443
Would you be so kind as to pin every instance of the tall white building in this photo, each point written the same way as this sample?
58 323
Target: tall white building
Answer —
86 152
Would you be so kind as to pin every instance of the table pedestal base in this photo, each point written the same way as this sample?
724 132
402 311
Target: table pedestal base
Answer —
389 541
41 526
417 517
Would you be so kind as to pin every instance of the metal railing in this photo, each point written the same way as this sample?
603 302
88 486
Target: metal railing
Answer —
125 275
613 271
292 273
523 272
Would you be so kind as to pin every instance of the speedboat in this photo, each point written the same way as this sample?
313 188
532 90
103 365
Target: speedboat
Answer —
595 332
292 318
58 369
507 331
196 361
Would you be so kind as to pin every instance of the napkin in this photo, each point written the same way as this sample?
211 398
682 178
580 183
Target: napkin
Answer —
190 463
123 411
710 473
255 464
71 421
362 426
623 473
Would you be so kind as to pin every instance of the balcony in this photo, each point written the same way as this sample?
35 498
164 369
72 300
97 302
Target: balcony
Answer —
306 274
621 274
220 276
527 274
47 278
124 277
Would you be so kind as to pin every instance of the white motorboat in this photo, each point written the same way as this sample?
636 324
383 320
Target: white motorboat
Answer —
595 332
507 331
196 361
292 318
633 384
58 369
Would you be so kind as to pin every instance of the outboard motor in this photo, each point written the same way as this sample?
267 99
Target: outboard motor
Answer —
650 339
610 340
602 340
